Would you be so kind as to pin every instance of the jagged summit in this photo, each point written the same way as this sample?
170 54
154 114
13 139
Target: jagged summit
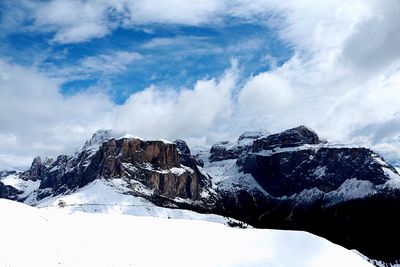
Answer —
252 135
231 150
289 180
260 140
154 165
98 138
297 136
101 136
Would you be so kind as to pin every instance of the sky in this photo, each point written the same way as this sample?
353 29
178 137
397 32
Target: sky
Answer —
202 71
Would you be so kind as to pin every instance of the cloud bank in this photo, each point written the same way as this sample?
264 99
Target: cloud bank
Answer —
343 79
36 119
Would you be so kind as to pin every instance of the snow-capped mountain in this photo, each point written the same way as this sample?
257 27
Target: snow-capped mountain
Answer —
288 180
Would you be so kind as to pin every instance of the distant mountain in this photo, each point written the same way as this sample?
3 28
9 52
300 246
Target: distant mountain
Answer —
293 180
287 180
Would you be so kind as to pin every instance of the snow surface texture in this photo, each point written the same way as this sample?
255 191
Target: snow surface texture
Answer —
49 237
26 186
110 197
225 174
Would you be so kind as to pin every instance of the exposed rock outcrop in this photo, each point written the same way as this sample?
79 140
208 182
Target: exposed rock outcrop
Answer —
290 138
9 192
288 180
155 164
185 156
284 173
228 150
346 194
36 171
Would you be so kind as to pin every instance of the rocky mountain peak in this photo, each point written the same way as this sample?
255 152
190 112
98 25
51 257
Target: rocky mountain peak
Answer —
256 141
98 138
297 136
252 135
36 171
36 161
232 150
165 169
289 180
183 148
185 156
48 161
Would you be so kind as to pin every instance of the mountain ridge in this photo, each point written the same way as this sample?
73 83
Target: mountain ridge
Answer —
282 180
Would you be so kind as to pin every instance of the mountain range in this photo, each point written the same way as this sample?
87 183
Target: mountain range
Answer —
290 180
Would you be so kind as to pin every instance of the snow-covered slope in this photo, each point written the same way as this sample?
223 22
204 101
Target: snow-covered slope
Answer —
287 180
113 197
48 237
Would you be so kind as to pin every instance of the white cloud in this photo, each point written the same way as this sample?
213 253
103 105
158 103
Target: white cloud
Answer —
375 42
342 80
13 161
106 64
188 113
36 119
73 21
172 41
109 63
344 73
173 11
265 93
303 23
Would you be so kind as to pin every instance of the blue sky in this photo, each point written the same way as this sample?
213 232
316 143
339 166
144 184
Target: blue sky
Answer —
203 71
169 55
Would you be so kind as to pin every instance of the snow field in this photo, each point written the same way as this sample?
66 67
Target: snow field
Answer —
54 237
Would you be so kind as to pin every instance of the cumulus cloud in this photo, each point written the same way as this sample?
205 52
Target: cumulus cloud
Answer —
265 93
342 77
342 80
188 113
36 119
375 41
73 21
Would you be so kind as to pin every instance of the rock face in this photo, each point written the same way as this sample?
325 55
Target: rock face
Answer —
368 224
185 157
284 173
155 164
290 138
227 150
288 180
165 170
9 192
349 195
37 170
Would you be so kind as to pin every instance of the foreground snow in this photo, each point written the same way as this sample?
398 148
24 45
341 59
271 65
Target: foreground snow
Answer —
112 197
53 237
